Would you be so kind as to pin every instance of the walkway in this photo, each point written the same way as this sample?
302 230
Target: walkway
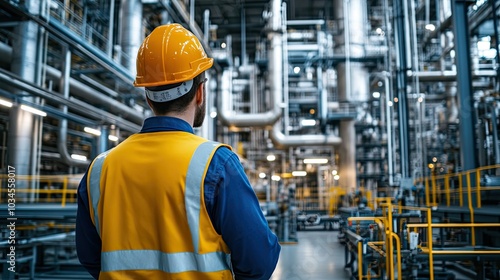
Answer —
317 256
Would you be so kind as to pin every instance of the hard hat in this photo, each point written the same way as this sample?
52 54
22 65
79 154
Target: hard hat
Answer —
170 54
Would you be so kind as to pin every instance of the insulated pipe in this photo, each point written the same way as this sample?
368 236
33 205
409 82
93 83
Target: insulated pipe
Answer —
83 91
132 34
22 123
91 95
79 106
281 140
63 123
231 118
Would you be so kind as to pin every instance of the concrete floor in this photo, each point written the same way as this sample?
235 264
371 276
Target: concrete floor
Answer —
317 256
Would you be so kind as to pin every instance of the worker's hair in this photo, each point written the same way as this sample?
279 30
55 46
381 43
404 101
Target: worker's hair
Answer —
177 105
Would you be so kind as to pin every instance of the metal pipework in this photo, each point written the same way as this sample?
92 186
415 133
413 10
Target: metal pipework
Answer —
275 56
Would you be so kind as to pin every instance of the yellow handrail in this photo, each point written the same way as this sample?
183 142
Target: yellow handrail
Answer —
65 188
430 226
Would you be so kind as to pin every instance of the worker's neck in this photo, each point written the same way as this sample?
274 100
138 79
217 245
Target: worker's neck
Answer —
187 115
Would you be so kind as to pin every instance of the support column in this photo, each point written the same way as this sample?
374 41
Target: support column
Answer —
468 151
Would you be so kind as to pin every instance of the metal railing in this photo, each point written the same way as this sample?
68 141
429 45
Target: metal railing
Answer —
42 189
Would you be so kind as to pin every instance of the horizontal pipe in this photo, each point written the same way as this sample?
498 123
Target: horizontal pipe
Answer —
461 252
89 94
85 92
427 76
76 105
438 225
281 140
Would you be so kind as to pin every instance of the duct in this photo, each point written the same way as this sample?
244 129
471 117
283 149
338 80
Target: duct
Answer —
231 118
131 30
72 103
62 138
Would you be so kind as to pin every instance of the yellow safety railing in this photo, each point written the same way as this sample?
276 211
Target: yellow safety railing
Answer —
429 248
439 189
383 224
42 189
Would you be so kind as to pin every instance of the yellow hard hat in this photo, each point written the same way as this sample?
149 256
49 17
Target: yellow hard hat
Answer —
170 54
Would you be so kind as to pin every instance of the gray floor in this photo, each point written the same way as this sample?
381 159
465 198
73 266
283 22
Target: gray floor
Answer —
317 256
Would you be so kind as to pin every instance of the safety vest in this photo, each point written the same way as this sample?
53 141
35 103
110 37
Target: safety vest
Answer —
150 210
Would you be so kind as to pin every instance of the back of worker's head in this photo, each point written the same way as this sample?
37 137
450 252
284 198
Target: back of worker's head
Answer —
171 65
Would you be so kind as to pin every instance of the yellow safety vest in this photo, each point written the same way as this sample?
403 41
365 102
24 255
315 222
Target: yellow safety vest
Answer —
150 212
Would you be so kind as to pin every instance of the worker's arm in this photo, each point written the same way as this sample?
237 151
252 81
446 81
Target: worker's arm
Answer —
88 242
237 216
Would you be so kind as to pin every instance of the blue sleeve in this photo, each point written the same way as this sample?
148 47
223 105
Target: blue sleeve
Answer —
236 214
88 242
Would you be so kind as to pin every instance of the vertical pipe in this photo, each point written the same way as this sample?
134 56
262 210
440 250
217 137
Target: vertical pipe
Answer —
286 95
497 47
22 123
103 139
390 164
243 32
402 103
132 32
353 14
494 119
464 84
191 13
206 26
111 27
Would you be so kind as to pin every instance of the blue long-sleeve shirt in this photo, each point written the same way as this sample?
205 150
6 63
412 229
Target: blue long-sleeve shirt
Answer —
231 204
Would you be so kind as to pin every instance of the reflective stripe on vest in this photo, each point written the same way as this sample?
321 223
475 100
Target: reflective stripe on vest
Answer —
155 259
94 187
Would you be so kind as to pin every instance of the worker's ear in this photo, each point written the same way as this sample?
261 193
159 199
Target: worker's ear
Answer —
199 94
150 105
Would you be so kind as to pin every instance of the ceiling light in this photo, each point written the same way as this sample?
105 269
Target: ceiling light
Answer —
33 110
315 160
308 122
79 157
299 173
376 94
92 131
271 158
262 175
336 177
334 172
430 27
113 138
275 178
5 103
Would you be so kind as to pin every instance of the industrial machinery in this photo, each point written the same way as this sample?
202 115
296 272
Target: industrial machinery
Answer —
376 120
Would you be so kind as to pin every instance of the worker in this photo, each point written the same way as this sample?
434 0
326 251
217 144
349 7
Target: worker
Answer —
166 203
